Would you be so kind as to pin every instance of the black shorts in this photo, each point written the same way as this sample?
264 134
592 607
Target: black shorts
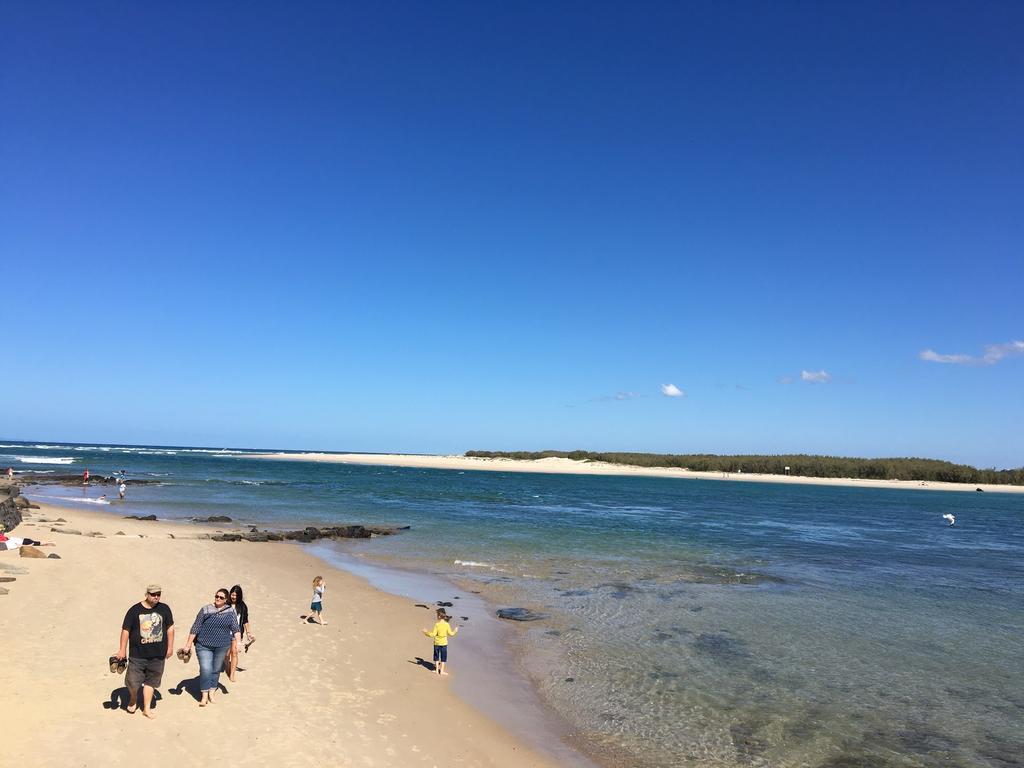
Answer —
441 653
144 672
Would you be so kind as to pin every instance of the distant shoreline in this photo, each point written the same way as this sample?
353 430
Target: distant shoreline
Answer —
572 467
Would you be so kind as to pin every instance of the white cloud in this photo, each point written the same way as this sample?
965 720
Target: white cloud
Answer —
934 357
618 396
671 390
992 355
996 352
816 377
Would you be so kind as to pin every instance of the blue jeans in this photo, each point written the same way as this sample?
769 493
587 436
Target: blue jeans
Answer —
211 662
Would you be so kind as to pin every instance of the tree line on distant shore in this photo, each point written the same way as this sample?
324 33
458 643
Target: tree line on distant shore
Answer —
802 465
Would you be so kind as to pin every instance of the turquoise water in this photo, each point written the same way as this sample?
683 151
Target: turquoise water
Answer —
701 622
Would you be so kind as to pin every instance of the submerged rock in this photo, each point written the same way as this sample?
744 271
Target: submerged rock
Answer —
149 518
520 614
212 519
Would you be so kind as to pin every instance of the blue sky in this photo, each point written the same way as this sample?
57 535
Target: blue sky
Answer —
439 227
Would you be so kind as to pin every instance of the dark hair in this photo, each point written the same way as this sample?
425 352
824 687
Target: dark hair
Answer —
240 606
226 591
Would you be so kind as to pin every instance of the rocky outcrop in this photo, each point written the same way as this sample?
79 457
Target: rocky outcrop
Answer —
312 533
11 505
29 478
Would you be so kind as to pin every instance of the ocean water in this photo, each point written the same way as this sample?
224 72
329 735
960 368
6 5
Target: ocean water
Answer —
685 622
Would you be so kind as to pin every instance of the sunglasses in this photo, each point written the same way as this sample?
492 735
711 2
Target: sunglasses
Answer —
220 597
154 594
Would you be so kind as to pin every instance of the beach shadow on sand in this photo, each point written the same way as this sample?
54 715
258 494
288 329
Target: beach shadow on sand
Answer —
190 685
428 665
119 699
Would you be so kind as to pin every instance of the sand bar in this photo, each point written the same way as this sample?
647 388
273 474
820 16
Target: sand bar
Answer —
348 694
555 465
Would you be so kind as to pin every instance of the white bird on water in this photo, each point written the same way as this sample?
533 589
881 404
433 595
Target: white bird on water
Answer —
947 516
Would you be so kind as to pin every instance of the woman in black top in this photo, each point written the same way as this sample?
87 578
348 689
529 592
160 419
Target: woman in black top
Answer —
242 611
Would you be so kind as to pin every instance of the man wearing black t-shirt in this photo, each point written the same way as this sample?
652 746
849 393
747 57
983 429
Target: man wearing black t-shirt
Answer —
147 639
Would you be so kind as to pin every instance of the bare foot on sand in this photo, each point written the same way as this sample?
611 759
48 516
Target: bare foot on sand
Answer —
131 708
149 714
444 673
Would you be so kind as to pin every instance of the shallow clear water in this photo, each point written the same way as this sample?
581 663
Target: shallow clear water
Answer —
701 622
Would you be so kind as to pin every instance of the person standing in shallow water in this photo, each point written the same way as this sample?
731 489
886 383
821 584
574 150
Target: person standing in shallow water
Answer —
147 641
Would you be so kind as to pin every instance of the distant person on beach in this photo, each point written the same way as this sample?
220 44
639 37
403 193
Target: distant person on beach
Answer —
237 603
439 634
10 473
121 489
316 604
213 632
85 477
147 640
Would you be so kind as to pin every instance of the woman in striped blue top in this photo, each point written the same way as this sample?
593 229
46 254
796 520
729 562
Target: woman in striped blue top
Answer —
214 631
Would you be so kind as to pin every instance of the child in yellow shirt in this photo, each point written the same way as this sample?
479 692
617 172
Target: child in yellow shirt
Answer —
440 633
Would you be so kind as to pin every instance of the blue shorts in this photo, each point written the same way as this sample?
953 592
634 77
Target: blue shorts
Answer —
316 607
441 653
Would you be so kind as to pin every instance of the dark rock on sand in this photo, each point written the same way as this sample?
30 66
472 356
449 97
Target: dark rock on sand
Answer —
10 510
227 537
53 556
70 531
443 604
34 552
149 518
7 578
520 614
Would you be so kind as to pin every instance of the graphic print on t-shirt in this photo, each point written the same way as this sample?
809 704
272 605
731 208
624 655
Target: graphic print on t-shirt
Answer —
151 628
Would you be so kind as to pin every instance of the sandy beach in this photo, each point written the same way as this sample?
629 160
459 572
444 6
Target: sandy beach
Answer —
555 465
349 694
